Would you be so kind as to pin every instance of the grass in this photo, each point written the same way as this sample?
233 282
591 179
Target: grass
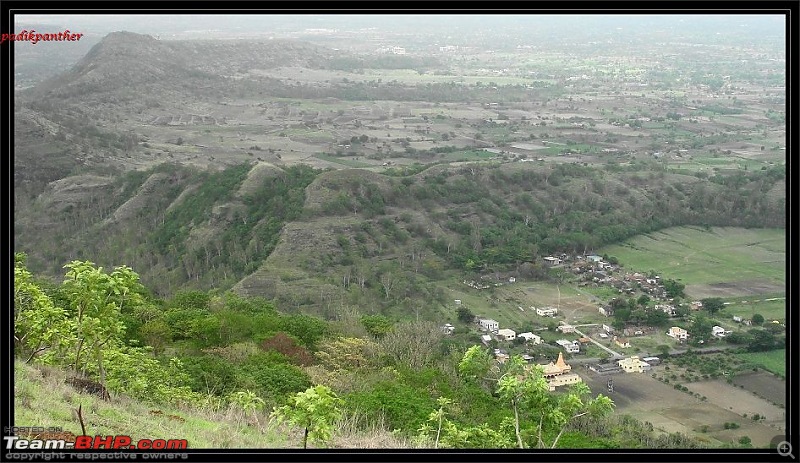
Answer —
773 360
471 155
502 303
41 398
771 310
344 162
697 256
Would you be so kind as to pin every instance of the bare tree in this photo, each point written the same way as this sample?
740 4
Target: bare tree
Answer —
387 281
414 344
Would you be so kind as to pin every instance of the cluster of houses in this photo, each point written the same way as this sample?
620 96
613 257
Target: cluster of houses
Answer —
492 327
494 332
594 269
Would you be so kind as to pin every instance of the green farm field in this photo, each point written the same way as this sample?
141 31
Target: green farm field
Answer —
772 307
773 360
719 262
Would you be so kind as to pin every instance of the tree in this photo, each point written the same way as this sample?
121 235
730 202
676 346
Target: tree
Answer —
314 410
674 288
657 317
41 330
377 325
758 319
700 329
745 441
96 300
664 349
760 340
345 353
713 304
413 344
682 311
527 392
248 401
287 345
643 300
465 315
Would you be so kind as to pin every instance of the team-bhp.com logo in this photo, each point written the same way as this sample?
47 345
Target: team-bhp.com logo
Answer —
118 442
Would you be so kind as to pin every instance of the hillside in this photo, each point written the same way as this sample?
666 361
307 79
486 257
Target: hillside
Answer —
90 116
42 398
309 238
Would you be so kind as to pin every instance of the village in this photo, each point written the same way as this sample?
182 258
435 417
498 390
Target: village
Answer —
573 341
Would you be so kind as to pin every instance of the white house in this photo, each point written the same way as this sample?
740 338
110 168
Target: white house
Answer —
566 328
678 333
530 337
606 311
507 334
487 324
546 311
447 328
512 280
719 331
458 301
608 329
486 339
571 347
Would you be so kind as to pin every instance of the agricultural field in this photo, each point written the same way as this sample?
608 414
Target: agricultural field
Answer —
718 262
774 360
673 410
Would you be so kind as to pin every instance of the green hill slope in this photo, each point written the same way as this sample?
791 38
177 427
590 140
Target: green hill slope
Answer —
310 237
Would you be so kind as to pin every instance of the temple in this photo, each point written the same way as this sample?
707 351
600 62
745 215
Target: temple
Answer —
558 373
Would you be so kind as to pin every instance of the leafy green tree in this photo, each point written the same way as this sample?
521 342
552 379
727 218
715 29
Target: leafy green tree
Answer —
527 392
248 401
758 319
700 329
476 364
41 330
464 314
674 288
745 441
377 325
134 372
96 300
315 410
449 435
760 340
656 317
712 304
664 349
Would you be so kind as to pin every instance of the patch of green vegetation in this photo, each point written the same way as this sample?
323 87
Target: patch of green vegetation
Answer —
774 360
694 255
770 309
469 155
344 162
48 402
